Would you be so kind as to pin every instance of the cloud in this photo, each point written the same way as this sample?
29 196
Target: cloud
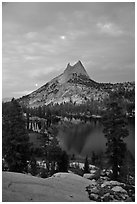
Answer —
31 35
110 29
39 39
27 57
76 34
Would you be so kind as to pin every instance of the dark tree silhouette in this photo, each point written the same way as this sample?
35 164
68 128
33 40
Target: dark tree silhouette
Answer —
63 162
115 131
27 121
93 158
56 159
86 166
15 140
48 116
33 167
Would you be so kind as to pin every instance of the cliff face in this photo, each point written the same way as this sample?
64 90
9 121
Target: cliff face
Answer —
78 69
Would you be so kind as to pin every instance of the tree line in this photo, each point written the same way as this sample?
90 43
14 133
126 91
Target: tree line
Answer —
19 156
17 152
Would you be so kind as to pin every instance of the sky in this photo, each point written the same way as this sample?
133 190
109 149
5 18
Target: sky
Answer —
40 39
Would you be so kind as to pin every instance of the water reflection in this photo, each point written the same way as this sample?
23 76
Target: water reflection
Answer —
84 138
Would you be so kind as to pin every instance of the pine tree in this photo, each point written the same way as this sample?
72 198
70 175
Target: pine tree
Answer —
86 166
48 116
27 121
115 131
33 167
55 158
15 142
40 111
63 162
93 158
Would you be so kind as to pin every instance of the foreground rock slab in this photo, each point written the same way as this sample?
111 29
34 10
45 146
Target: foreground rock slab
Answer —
61 187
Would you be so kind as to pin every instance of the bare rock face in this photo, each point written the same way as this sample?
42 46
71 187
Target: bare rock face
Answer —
72 72
75 70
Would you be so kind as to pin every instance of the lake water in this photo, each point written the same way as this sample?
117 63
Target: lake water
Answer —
84 140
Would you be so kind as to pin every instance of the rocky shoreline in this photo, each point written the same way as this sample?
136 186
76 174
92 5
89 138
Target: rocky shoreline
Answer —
110 191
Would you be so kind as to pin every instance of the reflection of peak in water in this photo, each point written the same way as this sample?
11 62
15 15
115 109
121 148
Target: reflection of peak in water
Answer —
95 142
74 136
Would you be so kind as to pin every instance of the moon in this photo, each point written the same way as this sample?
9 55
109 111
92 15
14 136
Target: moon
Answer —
36 85
63 37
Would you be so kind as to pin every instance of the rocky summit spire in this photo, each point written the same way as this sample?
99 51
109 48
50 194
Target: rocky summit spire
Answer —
77 68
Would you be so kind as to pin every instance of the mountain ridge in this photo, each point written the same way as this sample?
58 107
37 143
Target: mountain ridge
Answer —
74 85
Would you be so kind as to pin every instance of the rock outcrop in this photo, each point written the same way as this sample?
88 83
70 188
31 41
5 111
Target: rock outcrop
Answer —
110 191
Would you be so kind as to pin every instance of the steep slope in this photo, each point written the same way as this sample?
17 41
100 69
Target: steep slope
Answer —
73 84
62 187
